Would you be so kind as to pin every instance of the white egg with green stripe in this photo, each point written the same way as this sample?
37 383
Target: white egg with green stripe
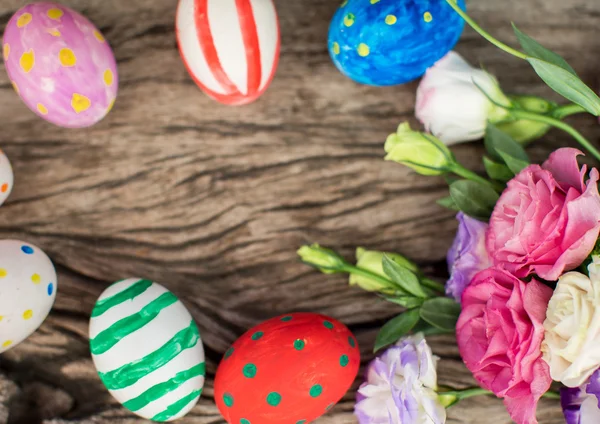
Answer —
147 349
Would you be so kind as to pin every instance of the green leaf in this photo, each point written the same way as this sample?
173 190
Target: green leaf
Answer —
409 302
441 312
447 202
405 278
567 85
428 330
450 179
473 198
497 171
596 250
501 145
396 328
535 49
497 141
515 165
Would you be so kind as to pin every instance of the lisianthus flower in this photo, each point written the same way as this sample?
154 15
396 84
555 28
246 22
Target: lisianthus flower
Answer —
467 256
581 405
547 220
572 338
453 100
499 334
401 386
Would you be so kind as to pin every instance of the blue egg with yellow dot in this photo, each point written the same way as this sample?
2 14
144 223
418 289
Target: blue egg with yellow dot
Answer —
391 42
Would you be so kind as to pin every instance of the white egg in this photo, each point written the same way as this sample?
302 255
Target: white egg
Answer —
147 349
27 290
6 177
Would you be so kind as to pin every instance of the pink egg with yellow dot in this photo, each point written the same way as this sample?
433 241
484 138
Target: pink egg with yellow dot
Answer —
60 65
27 291
6 177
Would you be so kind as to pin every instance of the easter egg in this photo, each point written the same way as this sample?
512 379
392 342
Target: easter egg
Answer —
27 290
229 47
289 369
6 177
383 43
60 65
147 349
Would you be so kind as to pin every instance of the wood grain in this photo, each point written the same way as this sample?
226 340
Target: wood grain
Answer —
213 201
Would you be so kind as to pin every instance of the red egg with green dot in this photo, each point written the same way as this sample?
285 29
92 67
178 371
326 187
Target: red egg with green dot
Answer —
289 369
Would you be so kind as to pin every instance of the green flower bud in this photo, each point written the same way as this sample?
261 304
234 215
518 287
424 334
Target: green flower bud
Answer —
422 152
325 260
447 400
533 104
371 261
524 131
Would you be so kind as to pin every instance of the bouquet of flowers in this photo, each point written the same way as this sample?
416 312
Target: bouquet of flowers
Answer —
523 295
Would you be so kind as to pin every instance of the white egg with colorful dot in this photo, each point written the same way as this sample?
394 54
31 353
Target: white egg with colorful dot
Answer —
147 349
6 177
27 290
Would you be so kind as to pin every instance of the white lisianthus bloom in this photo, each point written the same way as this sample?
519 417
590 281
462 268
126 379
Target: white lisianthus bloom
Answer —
572 327
453 100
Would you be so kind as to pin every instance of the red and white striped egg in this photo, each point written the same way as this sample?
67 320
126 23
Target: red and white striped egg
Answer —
229 47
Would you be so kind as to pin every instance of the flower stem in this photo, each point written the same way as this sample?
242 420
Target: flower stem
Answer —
434 285
484 33
560 125
478 391
460 170
551 395
562 112
467 393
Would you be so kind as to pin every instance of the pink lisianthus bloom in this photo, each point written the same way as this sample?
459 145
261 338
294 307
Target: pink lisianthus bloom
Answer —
547 221
499 333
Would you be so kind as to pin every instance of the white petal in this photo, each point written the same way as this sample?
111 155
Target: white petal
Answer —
590 414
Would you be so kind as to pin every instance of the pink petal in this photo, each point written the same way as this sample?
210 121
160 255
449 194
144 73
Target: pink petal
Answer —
522 408
580 234
563 165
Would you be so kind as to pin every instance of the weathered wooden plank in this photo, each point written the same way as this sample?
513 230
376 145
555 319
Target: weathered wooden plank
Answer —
213 201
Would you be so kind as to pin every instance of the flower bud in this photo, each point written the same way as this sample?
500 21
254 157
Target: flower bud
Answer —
372 261
448 399
422 152
456 101
524 131
326 260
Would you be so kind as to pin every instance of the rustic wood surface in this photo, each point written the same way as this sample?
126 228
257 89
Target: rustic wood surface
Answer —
213 201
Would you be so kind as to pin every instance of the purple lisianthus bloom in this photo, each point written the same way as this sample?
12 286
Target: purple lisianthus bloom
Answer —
400 386
581 405
467 256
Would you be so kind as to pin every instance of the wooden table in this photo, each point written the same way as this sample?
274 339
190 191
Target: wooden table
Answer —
213 201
